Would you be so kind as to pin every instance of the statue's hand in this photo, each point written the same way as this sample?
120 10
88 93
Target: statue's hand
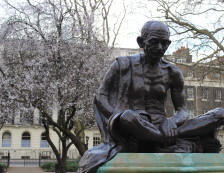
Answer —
169 130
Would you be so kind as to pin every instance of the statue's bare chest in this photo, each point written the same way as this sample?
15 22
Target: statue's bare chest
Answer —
156 80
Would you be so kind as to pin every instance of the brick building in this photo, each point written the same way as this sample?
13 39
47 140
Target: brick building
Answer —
204 85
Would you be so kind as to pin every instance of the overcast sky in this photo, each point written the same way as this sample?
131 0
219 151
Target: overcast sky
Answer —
131 27
137 15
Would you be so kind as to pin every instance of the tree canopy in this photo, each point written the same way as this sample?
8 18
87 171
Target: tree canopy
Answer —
198 23
53 54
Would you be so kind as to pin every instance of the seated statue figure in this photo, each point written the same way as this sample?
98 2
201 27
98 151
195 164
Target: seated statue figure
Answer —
129 107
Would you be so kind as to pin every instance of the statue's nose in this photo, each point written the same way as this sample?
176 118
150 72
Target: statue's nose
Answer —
160 46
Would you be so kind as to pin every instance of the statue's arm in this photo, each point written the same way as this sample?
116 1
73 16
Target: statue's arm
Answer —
178 97
108 83
169 126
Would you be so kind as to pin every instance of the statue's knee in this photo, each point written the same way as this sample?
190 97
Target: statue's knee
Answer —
126 116
219 112
126 122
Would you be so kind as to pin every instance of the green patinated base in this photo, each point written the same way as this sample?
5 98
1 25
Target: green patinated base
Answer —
164 162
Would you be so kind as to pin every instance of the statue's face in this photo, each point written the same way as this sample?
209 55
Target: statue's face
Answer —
156 41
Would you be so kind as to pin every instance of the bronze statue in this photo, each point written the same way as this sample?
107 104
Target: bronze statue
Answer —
130 111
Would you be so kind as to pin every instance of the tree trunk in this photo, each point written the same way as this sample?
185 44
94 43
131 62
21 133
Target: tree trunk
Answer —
62 166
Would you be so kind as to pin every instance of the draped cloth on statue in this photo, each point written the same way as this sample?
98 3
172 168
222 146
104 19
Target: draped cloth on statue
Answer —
123 71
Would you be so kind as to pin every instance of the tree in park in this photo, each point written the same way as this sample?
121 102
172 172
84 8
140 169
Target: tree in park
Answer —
53 53
198 23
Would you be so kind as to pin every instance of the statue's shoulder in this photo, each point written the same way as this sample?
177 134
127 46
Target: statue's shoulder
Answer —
136 57
126 61
170 65
174 70
122 59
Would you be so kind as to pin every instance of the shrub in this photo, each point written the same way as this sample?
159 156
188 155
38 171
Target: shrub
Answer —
48 167
71 166
4 165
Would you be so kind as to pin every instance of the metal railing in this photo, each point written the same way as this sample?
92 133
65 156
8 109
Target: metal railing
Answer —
26 161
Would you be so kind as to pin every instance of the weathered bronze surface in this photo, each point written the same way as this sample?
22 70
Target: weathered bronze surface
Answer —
130 112
164 162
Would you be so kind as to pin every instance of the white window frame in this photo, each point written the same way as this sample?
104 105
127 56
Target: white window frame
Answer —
218 94
190 93
190 73
26 143
192 113
7 142
217 76
181 60
204 94
43 142
96 139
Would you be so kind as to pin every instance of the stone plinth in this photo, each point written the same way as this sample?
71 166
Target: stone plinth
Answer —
164 162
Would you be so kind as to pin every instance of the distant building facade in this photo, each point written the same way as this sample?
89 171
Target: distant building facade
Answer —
29 142
204 84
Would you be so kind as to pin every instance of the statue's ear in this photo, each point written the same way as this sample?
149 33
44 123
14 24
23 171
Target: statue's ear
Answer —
140 42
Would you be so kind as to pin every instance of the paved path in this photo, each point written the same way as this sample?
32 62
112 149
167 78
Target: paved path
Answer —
24 170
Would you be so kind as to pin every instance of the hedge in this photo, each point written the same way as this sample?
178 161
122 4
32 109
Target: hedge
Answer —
71 166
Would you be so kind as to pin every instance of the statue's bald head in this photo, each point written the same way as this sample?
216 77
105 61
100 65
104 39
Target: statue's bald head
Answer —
152 29
154 26
154 40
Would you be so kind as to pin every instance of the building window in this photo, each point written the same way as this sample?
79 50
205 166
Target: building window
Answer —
96 139
190 93
204 93
171 58
190 73
25 157
6 139
43 142
218 94
191 113
25 139
217 76
181 60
